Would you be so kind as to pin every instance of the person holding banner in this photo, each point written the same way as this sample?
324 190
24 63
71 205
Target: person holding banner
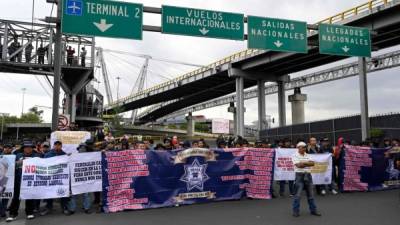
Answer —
4 202
56 151
303 180
86 200
27 152
327 148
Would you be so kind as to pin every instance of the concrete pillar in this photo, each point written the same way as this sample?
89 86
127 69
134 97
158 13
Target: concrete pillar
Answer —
297 100
261 106
190 125
281 103
73 108
240 105
362 75
232 109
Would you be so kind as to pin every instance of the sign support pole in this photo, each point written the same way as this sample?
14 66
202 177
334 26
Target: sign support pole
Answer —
57 69
281 103
240 105
362 75
261 106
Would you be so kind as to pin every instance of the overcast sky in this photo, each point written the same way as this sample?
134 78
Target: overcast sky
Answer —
327 100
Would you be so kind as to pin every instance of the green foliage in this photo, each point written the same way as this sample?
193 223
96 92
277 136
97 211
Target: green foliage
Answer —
376 133
32 116
201 127
172 126
116 127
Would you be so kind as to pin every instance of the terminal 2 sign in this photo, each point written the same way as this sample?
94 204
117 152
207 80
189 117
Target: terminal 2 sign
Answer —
102 18
125 20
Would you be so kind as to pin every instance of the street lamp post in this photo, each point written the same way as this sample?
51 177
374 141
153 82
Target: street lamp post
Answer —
23 99
2 124
118 78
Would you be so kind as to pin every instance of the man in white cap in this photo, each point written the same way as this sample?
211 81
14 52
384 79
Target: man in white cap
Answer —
302 167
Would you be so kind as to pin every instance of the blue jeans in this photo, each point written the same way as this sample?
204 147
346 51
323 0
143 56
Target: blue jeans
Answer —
282 187
303 181
87 203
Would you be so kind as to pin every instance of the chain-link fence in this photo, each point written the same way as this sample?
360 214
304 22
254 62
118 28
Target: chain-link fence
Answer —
382 126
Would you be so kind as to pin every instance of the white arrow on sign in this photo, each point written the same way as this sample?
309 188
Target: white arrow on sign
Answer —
103 26
278 43
345 48
203 31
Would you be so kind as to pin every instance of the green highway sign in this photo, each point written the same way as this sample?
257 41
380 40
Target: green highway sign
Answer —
102 18
344 40
203 23
276 34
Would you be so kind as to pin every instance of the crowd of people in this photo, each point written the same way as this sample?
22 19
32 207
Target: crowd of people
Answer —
16 56
106 142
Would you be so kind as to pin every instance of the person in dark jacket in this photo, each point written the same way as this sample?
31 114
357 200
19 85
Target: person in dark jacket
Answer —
56 151
27 152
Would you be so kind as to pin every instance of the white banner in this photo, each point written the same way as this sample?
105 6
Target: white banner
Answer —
86 175
69 139
45 178
220 126
7 174
284 168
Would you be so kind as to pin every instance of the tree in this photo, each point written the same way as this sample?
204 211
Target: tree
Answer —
30 117
36 111
33 116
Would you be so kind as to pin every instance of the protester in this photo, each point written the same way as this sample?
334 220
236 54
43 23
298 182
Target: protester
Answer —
303 180
19 54
12 49
56 151
28 52
70 55
140 145
286 144
313 148
86 200
27 152
195 144
7 150
83 56
109 137
327 148
41 52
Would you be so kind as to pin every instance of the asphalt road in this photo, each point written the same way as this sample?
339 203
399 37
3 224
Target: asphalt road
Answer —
375 208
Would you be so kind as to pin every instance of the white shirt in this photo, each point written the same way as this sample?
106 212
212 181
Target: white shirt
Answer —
298 158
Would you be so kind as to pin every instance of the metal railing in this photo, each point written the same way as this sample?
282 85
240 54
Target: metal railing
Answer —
369 6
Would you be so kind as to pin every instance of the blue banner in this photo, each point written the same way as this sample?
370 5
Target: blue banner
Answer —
138 179
369 169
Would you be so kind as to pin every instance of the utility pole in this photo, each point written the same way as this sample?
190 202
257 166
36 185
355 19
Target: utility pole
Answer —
23 100
57 65
2 124
118 78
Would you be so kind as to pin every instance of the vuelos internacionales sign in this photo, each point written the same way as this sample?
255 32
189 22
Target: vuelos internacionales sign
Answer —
203 23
